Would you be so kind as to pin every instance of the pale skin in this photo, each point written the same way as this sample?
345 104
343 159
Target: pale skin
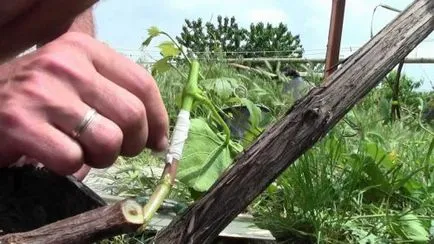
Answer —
45 94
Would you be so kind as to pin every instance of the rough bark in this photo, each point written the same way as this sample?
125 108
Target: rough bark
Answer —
104 222
306 122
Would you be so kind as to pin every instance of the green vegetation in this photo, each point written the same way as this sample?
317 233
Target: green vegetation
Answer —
366 182
370 180
228 39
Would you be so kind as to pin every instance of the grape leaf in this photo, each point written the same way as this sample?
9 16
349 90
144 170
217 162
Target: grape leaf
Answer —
254 111
161 66
153 31
223 86
168 49
205 157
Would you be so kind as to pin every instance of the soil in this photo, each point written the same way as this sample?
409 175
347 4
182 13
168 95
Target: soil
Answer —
32 197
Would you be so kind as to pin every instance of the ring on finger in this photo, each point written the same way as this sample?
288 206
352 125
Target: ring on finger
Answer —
87 120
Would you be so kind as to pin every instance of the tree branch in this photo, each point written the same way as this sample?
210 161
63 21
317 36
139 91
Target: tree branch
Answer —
104 222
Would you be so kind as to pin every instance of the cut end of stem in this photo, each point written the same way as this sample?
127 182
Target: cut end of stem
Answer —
133 212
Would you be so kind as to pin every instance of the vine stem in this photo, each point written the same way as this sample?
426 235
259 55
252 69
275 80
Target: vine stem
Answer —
209 104
419 120
179 71
182 51
168 177
427 173
177 45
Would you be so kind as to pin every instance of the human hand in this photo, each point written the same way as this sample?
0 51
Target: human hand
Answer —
48 92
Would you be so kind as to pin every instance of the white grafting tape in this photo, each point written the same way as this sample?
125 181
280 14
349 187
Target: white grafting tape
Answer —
180 134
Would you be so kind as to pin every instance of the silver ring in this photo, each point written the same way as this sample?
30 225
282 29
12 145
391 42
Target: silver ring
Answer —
88 117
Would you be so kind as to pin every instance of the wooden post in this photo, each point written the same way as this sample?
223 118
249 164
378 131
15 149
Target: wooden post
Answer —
335 34
306 122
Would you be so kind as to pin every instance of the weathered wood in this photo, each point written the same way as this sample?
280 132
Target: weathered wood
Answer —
104 222
306 122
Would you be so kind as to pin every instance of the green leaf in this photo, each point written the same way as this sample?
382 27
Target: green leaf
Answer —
255 116
377 176
272 188
413 228
147 41
153 31
431 228
205 157
430 152
223 86
379 154
168 49
384 108
161 66
362 236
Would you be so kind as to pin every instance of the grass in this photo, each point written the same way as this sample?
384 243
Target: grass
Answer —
356 185
370 180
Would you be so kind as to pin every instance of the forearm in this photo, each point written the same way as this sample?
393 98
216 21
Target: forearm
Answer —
82 23
10 10
37 23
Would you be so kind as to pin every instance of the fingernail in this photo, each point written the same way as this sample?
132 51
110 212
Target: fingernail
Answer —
164 143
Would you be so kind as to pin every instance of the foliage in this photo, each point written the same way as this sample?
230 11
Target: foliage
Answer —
138 176
201 38
209 150
206 156
428 112
227 38
406 94
367 181
272 41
